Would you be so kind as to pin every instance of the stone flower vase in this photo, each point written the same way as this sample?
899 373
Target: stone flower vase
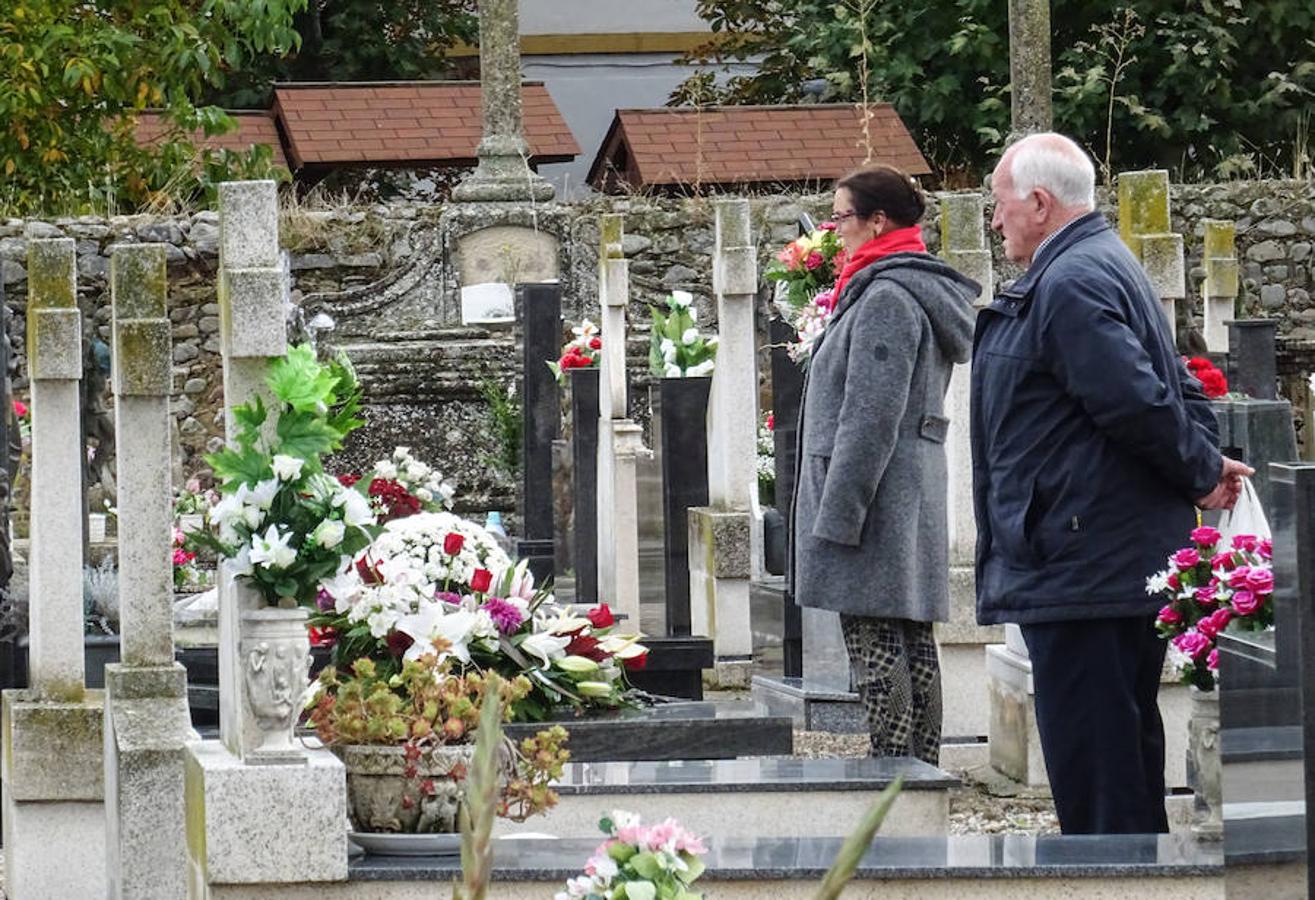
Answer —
381 798
1204 773
275 660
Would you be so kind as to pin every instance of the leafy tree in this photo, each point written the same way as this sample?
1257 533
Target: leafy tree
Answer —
361 40
1207 88
75 75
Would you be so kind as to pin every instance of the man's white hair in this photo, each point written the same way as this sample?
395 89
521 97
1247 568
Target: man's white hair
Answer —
1056 165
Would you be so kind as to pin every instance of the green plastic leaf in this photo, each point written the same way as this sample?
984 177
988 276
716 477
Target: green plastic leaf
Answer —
646 865
300 381
640 890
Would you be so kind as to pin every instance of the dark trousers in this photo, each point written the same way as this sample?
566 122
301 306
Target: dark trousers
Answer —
1096 684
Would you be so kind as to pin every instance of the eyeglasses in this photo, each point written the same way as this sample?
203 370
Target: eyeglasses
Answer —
839 218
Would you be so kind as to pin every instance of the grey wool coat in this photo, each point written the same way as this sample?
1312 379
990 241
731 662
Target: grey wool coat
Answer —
869 532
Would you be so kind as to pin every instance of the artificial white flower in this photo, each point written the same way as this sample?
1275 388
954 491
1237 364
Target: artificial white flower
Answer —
329 533
546 646
401 453
242 562
681 299
671 371
1157 583
356 509
433 621
287 468
385 469
262 495
424 495
272 550
417 470
703 368
690 336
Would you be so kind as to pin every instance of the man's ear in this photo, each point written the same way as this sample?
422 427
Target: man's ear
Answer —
1043 204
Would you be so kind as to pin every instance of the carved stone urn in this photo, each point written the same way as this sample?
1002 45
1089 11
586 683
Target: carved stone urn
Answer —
1204 773
275 666
381 797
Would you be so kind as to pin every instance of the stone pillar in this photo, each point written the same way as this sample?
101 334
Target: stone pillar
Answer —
620 440
1144 227
962 641
52 773
252 820
1029 66
147 724
504 171
720 565
1219 289
540 310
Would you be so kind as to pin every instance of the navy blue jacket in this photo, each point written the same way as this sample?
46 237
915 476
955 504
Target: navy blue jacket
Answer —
1090 440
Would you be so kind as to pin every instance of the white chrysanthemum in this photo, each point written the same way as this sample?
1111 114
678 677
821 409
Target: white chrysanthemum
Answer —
1157 583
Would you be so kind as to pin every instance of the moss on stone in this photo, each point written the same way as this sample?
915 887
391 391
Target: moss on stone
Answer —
139 279
1143 205
1220 239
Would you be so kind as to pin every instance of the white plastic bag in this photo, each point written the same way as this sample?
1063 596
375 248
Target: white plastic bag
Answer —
1246 517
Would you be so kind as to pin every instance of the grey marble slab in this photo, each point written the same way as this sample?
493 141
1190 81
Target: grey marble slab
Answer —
1257 646
744 775
776 859
1254 744
1271 839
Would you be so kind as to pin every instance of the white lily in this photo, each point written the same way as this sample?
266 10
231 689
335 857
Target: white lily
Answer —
355 508
671 371
287 468
432 621
262 495
272 550
545 646
242 562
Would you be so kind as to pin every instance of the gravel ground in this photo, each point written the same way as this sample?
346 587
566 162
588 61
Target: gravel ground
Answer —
986 804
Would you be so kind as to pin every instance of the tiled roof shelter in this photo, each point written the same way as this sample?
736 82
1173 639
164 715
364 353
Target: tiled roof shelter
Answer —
674 148
429 123
253 127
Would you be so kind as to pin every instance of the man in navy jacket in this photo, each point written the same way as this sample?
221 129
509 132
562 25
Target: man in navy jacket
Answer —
1091 447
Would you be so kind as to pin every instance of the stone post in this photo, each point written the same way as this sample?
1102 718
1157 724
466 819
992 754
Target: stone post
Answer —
53 782
253 819
962 641
503 172
720 533
1029 66
1144 227
147 724
1219 289
540 311
620 440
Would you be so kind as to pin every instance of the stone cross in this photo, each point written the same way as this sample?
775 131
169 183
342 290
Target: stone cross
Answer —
54 751
1219 289
720 534
1029 66
1144 227
620 440
503 172
147 721
54 354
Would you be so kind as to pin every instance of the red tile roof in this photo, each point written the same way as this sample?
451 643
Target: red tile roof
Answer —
253 127
434 123
736 145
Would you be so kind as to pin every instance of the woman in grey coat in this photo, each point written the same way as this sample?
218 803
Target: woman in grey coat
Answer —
870 534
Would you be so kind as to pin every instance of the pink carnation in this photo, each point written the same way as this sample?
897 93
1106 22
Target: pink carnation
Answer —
506 616
1170 616
1205 536
1245 603
1192 643
1186 559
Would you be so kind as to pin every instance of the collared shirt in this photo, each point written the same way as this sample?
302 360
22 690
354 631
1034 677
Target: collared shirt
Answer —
1050 237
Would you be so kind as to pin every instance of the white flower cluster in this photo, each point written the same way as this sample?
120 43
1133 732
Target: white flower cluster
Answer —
766 454
421 480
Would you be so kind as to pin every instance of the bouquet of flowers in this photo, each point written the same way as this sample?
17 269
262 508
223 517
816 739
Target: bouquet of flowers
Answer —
637 862
403 486
580 352
767 460
1213 382
193 500
186 574
678 350
436 583
1209 587
808 265
286 524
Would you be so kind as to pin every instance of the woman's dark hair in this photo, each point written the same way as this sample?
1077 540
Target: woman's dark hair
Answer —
885 189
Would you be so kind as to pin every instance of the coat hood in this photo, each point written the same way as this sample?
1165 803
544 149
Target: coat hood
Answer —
945 295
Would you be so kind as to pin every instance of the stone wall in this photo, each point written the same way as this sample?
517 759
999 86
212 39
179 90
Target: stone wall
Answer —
375 272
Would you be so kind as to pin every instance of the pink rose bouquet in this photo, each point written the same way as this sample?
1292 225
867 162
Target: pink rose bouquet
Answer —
808 267
1210 587
658 862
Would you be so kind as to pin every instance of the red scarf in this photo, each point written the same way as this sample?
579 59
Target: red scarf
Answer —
901 240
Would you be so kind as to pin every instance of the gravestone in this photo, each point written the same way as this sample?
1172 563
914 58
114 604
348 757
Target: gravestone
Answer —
787 392
1219 287
53 760
146 722
720 533
540 307
1029 66
1252 362
252 820
1144 227
683 410
584 481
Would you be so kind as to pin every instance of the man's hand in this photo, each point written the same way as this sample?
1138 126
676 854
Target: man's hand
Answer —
1229 488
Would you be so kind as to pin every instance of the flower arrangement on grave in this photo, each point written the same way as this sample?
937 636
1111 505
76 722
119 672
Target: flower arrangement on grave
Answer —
639 862
767 460
435 577
808 267
24 417
1213 382
191 499
285 524
408 740
186 573
678 350
402 486
581 352
1210 587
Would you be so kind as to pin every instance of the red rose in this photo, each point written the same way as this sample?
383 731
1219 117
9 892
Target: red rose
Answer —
601 617
20 408
635 663
453 542
583 645
1174 582
771 421
480 581
827 226
322 637
814 260
595 343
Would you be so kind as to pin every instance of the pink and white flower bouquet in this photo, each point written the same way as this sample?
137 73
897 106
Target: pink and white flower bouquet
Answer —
1210 587
808 268
638 862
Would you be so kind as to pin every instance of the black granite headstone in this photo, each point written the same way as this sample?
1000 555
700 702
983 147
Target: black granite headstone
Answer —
1252 361
584 468
787 392
540 309
684 427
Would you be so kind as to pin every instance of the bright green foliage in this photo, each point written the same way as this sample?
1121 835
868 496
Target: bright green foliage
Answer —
74 74
1213 89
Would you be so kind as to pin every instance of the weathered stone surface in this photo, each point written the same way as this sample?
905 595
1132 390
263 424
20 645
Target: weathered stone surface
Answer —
1266 251
1029 66
248 228
53 750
